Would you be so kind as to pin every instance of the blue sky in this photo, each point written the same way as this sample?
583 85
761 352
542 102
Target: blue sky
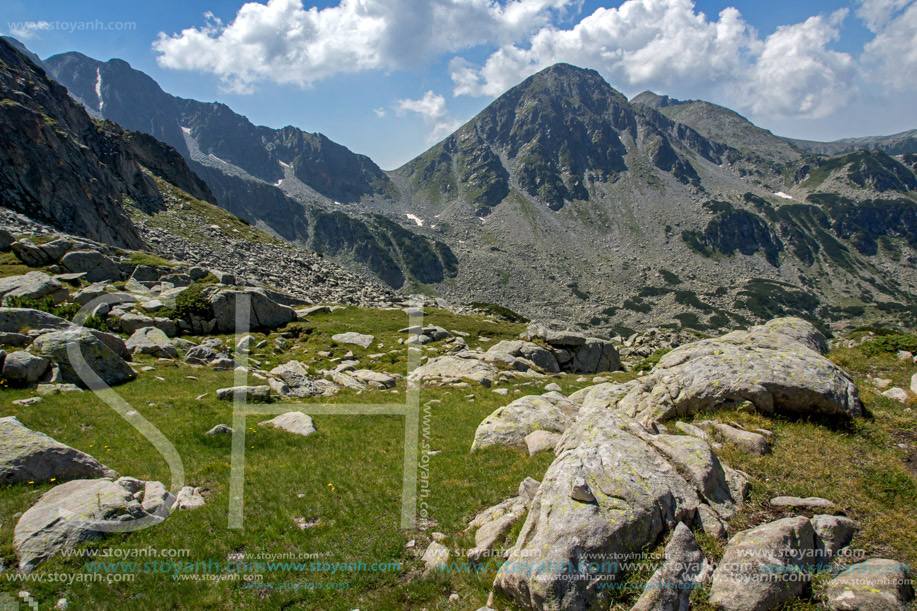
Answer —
388 78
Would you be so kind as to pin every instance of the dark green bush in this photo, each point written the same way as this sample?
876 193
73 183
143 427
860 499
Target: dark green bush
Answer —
193 302
889 344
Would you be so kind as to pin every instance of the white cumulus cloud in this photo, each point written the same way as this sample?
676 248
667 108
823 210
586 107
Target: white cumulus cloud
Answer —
892 54
284 42
432 108
667 45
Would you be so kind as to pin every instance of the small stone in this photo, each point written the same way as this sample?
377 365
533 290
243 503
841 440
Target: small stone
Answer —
795 502
220 429
27 402
553 387
896 394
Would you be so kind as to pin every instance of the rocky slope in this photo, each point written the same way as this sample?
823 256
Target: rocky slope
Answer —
290 183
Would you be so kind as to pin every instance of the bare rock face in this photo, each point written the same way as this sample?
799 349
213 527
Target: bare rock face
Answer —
447 369
27 455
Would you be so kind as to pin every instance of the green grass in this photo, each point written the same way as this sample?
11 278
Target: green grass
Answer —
356 518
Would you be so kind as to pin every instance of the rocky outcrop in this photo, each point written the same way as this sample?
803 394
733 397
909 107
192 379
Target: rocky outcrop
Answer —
30 456
574 352
450 369
265 313
151 341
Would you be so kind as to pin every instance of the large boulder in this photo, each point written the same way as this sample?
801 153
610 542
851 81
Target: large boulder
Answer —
609 493
94 264
448 369
70 514
30 456
765 566
151 341
769 369
265 313
93 357
18 320
874 585
509 425
297 380
33 285
801 331
594 356
30 254
543 358
23 368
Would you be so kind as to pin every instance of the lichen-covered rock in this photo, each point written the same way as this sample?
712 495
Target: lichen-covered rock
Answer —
543 358
753 443
509 425
68 515
833 533
265 313
609 493
764 566
93 362
248 393
875 585
769 369
448 369
27 456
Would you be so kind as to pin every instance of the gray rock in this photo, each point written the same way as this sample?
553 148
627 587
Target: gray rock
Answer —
435 557
220 429
248 393
794 502
752 443
151 341
527 350
27 455
694 431
684 568
6 240
594 356
189 498
801 331
297 423
541 441
509 425
833 534
711 522
875 585
555 338
608 492
373 378
157 500
896 394
295 375
527 489
357 339
18 320
114 343
130 323
67 515
97 358
33 256
23 368
33 285
145 273
97 266
264 312
319 309
765 566
770 370
15 340
448 369
56 249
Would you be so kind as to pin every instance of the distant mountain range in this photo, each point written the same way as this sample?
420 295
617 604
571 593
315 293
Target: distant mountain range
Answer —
563 199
